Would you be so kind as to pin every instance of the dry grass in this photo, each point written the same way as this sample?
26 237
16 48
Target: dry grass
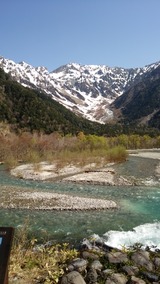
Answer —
34 148
32 263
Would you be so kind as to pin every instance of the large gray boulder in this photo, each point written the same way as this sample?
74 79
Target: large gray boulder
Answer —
78 264
130 270
117 257
97 265
73 277
116 278
92 276
142 258
136 280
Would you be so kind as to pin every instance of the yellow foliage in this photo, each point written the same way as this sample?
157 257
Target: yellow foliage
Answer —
32 263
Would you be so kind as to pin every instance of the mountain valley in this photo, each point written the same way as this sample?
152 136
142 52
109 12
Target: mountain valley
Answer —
97 93
86 90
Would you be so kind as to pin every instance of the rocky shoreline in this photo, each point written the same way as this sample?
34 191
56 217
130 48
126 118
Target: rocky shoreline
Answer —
95 262
98 263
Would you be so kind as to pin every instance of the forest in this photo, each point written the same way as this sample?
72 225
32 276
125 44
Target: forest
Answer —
28 110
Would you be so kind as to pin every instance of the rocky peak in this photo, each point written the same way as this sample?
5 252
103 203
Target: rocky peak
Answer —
87 90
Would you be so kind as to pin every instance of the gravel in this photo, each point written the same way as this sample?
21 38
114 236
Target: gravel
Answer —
17 198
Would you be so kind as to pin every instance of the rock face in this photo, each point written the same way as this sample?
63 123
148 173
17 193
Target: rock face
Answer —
102 264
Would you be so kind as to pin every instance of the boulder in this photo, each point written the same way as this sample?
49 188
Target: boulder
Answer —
135 280
130 270
150 276
73 277
89 255
78 264
116 278
92 276
157 262
142 258
117 257
96 265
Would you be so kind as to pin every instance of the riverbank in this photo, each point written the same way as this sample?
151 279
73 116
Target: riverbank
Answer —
17 198
23 198
98 263
93 262
88 174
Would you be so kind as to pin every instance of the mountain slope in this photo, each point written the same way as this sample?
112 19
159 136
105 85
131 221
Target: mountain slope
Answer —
141 103
86 90
30 110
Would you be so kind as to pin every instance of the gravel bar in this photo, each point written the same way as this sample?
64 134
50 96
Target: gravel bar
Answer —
16 198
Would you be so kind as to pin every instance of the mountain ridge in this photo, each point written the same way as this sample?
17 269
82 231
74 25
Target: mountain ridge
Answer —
86 90
141 103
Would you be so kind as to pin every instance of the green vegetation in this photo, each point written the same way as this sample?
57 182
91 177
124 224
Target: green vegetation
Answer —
28 110
140 104
32 263
46 263
34 128
62 150
77 149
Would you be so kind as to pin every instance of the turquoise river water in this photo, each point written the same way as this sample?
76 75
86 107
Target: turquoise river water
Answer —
138 212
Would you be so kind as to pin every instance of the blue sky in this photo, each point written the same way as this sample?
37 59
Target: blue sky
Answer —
51 33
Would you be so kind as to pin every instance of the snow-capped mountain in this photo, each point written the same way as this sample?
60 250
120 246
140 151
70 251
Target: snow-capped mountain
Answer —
87 90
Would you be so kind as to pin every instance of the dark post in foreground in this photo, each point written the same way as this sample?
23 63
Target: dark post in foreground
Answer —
6 236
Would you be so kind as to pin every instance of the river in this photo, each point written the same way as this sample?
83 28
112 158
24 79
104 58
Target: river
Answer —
138 207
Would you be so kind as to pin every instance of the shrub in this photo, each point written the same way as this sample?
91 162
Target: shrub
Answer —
117 154
33 263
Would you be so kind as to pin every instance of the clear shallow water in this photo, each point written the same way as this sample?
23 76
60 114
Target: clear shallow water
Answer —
137 206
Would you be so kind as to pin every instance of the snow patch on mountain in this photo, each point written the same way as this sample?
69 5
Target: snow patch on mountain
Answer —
87 90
